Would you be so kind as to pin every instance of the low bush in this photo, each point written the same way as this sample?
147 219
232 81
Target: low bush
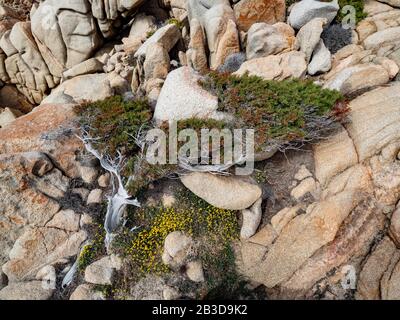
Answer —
282 113
114 123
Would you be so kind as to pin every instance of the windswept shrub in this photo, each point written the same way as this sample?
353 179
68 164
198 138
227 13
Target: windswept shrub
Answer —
114 123
282 113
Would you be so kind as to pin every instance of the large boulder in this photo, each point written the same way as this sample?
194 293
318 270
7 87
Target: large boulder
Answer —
309 36
249 12
196 54
25 65
232 193
358 77
142 25
321 60
291 64
91 87
183 98
65 32
264 40
218 21
166 36
306 10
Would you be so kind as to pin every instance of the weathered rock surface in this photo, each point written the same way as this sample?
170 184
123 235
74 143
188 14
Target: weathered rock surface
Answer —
395 226
321 60
10 97
196 54
7 116
249 12
91 87
49 129
276 67
32 290
358 77
264 40
306 10
334 156
38 247
65 33
100 272
251 220
25 65
166 36
309 36
375 117
218 21
368 287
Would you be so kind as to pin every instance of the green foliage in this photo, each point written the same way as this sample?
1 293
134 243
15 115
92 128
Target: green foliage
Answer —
198 124
280 111
223 280
114 122
145 173
357 4
91 252
176 22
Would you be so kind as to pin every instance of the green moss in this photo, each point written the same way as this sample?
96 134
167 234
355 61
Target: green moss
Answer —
176 22
281 112
357 4
150 33
114 122
91 252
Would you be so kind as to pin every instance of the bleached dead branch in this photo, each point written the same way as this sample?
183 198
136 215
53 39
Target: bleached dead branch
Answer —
120 197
